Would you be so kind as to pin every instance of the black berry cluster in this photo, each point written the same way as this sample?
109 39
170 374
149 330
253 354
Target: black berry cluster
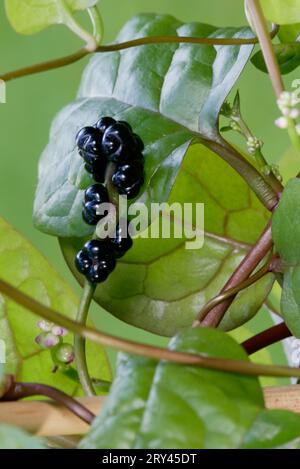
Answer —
113 141
108 141
97 259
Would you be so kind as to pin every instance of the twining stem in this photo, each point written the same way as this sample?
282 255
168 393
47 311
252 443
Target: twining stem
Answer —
79 341
268 337
246 267
266 194
18 391
232 292
261 28
57 63
157 353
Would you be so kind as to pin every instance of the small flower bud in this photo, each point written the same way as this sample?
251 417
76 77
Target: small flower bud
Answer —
294 113
47 340
59 331
282 123
45 325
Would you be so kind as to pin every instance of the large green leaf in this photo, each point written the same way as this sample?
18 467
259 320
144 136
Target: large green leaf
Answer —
290 299
273 429
167 92
161 286
282 11
15 438
25 268
286 235
177 406
288 57
31 16
286 225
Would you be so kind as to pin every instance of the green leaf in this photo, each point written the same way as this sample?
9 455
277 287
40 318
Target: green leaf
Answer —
188 406
290 299
286 236
25 268
282 11
32 16
273 429
285 223
167 92
289 164
288 57
159 278
289 32
15 438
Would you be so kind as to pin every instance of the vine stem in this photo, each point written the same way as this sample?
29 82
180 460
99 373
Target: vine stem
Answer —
232 292
79 341
246 267
265 338
157 353
266 194
70 59
18 391
261 28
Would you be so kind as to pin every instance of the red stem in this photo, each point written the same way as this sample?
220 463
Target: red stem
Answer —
18 391
268 337
246 267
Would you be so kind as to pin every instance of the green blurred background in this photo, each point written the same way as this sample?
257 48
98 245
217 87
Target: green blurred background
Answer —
33 101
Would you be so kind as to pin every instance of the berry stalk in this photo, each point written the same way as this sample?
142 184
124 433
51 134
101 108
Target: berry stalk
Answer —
79 341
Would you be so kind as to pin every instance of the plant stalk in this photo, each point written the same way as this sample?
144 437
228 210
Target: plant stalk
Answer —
246 267
18 391
232 292
157 353
79 341
70 59
268 337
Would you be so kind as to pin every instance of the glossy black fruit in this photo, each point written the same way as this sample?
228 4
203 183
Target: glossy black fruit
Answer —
129 178
96 260
96 193
104 123
89 141
139 143
94 196
122 241
119 143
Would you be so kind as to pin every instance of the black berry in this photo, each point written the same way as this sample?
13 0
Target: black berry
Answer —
96 260
96 193
139 143
129 178
122 242
89 142
94 196
97 167
118 143
126 125
104 123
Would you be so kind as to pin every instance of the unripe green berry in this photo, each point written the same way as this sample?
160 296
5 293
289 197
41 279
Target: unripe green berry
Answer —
63 354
